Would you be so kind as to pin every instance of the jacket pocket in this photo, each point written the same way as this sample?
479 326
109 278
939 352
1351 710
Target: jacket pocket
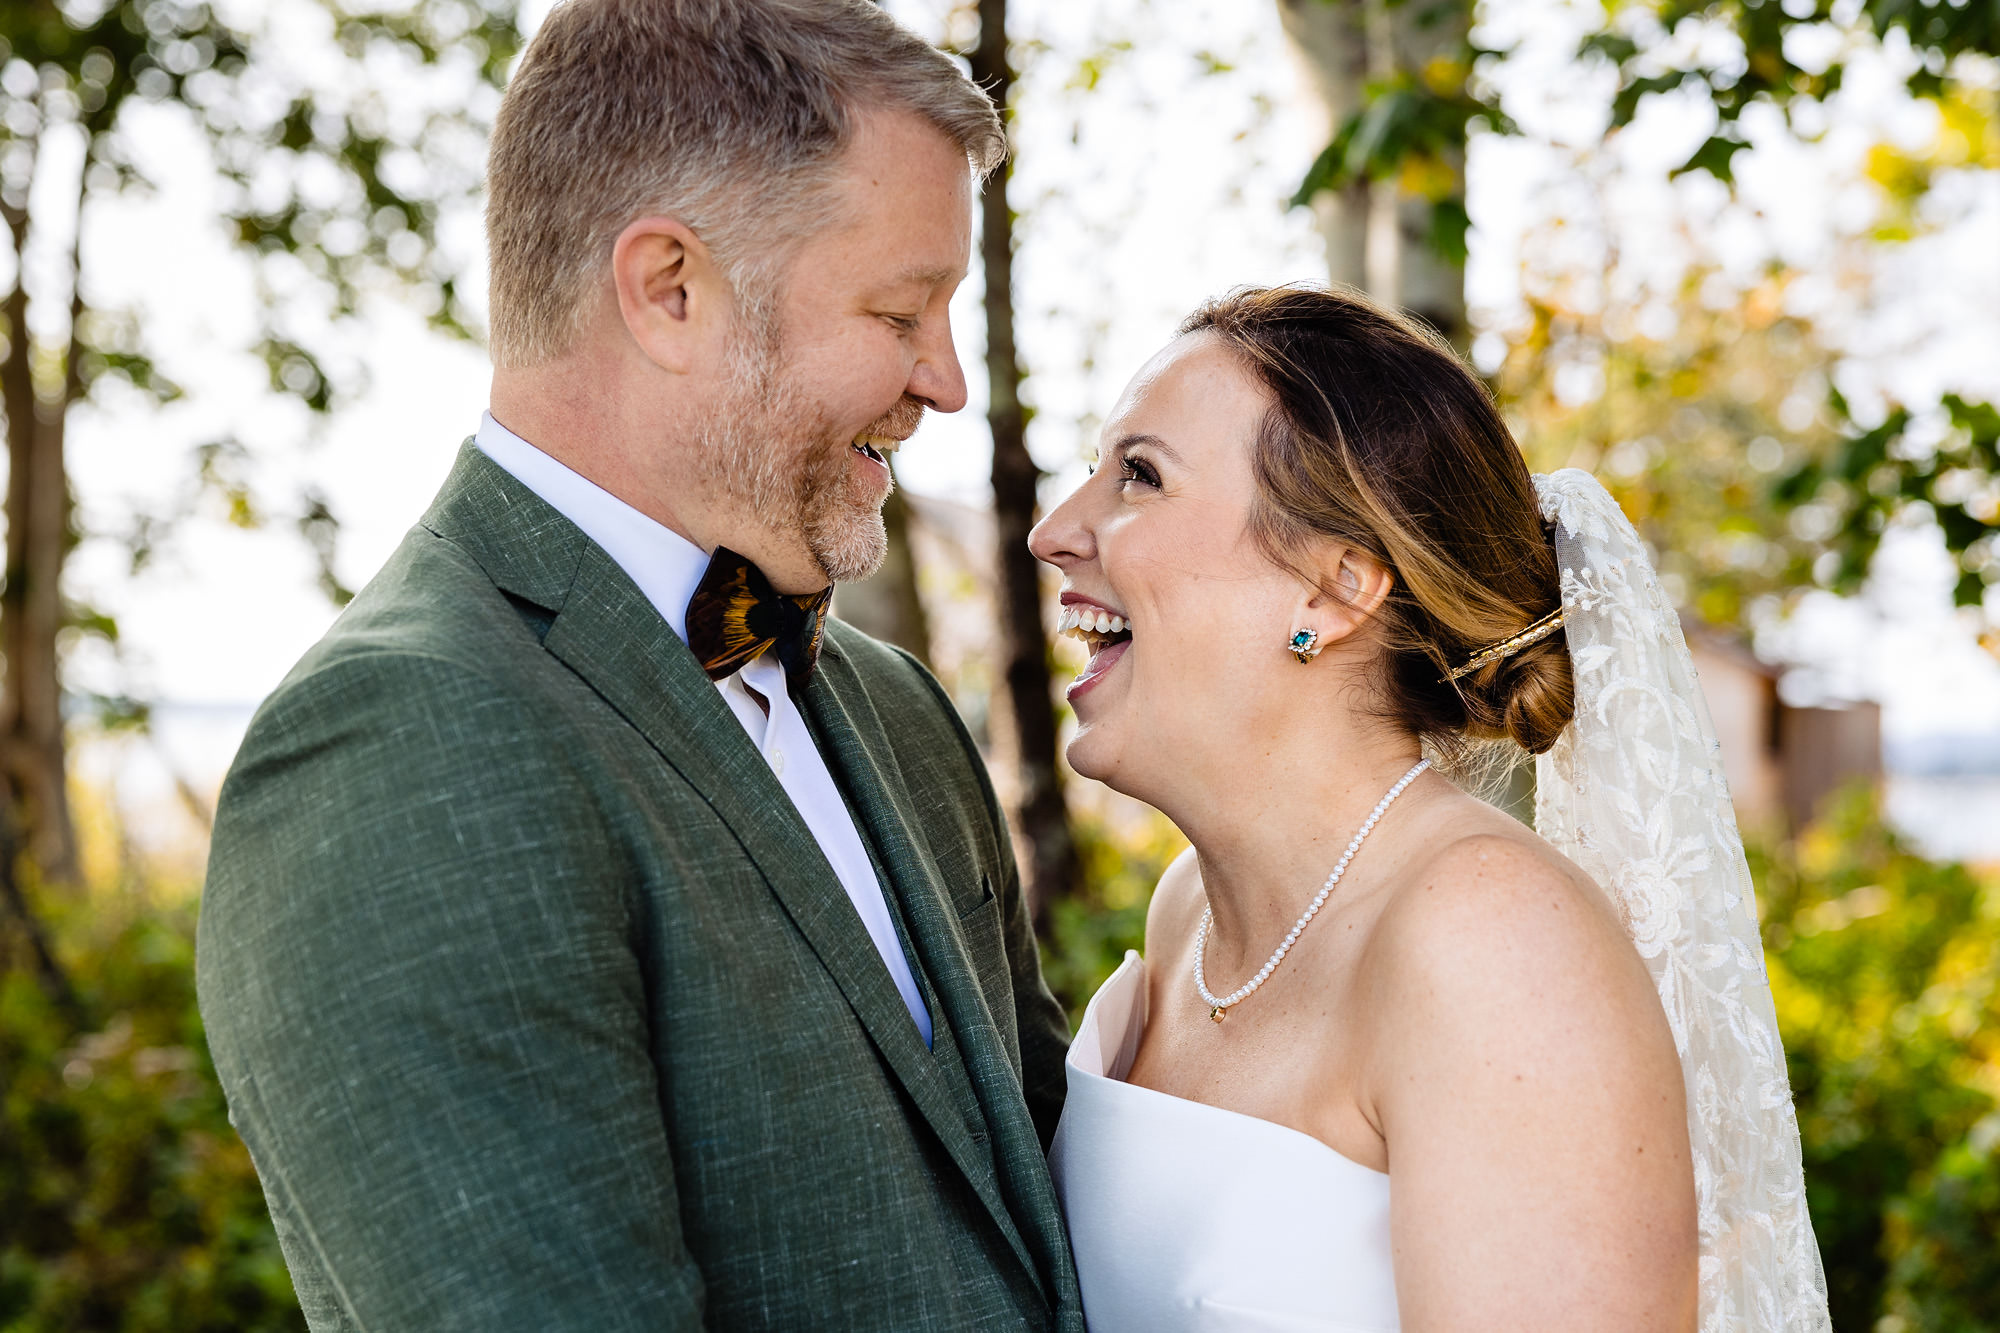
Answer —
979 926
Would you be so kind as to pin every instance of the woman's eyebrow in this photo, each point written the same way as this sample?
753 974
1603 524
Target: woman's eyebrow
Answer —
1150 441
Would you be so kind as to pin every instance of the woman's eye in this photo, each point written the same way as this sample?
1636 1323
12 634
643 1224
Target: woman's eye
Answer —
1139 470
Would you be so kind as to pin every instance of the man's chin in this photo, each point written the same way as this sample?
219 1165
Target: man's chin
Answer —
851 551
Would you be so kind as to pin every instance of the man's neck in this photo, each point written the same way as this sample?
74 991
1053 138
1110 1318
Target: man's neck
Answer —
571 410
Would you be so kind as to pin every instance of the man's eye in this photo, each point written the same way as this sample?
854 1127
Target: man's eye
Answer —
905 323
1137 469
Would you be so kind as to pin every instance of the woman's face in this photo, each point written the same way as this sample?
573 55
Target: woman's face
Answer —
1193 668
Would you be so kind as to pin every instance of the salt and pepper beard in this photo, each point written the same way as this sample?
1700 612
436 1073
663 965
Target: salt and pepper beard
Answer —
772 450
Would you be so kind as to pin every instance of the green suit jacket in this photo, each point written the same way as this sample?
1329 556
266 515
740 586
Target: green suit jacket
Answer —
539 1008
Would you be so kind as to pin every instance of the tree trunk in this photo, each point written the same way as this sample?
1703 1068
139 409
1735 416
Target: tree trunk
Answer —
1041 821
1377 236
31 609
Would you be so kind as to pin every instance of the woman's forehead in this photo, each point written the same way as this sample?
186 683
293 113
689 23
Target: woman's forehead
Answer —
1195 388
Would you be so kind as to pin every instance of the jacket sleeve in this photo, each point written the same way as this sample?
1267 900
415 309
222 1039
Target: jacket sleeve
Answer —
1039 1019
416 972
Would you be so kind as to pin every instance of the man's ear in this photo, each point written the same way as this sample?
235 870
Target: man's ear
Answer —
670 294
1352 585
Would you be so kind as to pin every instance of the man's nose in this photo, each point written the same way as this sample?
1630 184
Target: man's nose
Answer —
937 378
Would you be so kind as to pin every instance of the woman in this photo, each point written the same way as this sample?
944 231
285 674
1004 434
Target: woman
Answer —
1392 1060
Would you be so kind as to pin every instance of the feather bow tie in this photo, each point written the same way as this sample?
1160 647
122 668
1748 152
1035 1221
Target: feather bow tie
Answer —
735 614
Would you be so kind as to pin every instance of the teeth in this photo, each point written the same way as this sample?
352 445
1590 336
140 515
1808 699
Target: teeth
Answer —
1085 623
881 445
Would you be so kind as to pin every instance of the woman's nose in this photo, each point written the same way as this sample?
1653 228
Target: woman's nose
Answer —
1063 537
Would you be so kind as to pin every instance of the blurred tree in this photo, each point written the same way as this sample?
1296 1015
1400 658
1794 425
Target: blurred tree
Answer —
1792 57
336 172
1690 429
126 1200
1766 64
1886 971
1395 80
1025 686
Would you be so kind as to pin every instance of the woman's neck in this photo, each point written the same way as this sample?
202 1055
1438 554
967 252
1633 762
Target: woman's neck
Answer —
1269 830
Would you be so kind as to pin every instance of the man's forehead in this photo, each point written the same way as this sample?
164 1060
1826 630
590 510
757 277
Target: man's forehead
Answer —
928 275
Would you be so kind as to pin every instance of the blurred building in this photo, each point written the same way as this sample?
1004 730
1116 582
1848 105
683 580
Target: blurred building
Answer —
1781 761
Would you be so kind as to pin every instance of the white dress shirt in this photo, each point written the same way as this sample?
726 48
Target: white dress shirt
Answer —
668 567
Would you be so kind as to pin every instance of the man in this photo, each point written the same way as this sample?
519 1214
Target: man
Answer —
589 941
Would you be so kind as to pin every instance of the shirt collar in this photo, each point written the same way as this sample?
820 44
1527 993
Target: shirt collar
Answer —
666 566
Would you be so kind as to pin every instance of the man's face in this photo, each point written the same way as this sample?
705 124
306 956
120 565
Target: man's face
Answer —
835 369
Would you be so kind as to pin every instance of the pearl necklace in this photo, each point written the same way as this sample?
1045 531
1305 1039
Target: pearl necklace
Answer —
1218 1008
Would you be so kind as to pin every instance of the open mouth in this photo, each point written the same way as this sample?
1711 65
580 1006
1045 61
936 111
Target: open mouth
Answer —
876 447
1106 634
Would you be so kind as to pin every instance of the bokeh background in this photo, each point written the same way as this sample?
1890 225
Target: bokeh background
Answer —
1740 259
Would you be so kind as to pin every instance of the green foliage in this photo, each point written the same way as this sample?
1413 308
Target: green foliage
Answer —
1844 496
334 184
1876 476
1688 429
1886 971
1764 70
1120 858
1412 124
127 1202
1946 1274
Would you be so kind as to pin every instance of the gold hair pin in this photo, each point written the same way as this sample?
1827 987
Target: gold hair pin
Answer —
1535 633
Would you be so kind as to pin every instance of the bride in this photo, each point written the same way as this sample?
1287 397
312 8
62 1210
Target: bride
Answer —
1392 1060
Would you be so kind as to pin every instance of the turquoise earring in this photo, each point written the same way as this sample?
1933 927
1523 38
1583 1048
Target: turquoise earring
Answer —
1304 645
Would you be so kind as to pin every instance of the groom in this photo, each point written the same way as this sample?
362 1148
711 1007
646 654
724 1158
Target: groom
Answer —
594 938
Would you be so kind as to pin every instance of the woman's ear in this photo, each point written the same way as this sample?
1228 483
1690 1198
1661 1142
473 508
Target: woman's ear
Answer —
1352 586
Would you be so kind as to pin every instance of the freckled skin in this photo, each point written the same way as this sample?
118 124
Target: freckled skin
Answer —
1465 1012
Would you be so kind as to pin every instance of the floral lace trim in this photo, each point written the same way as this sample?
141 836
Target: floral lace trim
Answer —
1633 792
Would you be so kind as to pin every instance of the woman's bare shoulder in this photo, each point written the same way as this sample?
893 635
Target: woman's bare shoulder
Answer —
1176 906
1487 893
1522 1072
1496 947
1493 935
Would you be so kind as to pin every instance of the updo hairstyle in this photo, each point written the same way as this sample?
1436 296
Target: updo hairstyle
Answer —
1379 438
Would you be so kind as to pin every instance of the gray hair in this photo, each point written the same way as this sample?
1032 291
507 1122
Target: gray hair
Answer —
730 115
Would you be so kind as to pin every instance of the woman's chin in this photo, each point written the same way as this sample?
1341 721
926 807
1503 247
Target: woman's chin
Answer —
1093 752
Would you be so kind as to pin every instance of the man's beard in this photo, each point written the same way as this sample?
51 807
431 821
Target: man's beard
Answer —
769 448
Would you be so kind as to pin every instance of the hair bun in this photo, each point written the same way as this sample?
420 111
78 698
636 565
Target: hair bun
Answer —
1528 697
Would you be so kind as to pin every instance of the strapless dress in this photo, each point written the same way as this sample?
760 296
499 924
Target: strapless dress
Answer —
1188 1217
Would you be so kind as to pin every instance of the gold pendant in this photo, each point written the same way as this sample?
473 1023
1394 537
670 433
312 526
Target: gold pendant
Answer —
1218 1013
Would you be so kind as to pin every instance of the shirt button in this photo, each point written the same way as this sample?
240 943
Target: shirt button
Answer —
778 763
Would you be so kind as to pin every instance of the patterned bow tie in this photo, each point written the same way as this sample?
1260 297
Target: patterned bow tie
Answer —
735 614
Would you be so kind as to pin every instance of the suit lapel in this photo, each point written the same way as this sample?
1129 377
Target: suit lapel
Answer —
855 745
642 669
604 630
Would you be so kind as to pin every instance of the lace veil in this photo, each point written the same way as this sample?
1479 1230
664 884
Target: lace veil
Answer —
1633 792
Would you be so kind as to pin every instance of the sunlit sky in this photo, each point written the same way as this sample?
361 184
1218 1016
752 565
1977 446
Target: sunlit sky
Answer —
1162 185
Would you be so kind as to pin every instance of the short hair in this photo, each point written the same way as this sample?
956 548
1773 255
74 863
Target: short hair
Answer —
730 115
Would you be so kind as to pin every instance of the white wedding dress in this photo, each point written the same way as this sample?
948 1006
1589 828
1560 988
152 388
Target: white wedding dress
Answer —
1188 1217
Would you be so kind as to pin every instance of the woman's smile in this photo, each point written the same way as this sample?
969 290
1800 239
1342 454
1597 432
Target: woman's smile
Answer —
1106 633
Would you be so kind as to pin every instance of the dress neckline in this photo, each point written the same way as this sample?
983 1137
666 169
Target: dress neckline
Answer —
1130 973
